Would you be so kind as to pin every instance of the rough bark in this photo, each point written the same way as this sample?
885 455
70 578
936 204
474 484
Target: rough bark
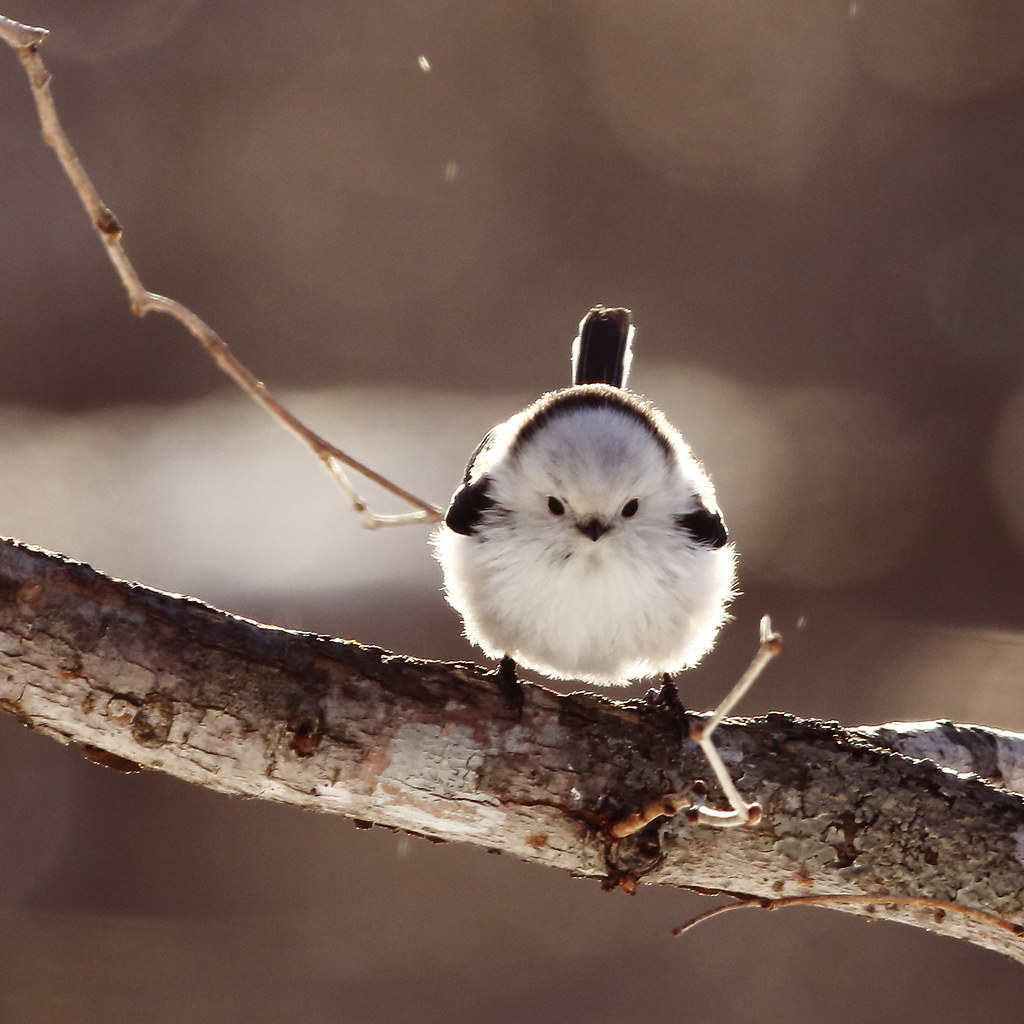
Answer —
139 677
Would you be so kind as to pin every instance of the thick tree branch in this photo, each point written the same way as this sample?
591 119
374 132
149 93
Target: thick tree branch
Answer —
165 682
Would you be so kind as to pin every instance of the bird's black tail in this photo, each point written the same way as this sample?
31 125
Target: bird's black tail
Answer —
602 352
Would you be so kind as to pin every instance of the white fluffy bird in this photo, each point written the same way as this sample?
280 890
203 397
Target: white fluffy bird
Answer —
585 541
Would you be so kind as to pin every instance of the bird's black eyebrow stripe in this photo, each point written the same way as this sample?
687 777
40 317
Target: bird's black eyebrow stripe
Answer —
488 439
589 396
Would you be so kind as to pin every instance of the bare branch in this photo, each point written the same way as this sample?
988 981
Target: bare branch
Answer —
18 35
137 677
26 41
867 905
992 754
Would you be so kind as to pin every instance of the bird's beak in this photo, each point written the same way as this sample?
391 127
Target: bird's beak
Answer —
593 528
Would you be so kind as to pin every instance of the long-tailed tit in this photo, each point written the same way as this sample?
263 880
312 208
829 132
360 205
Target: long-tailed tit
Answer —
585 541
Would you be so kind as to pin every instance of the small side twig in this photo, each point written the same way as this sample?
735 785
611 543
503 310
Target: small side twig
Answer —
868 902
740 812
694 803
26 40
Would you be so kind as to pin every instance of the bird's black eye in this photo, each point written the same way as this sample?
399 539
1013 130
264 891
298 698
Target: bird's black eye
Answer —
631 508
555 507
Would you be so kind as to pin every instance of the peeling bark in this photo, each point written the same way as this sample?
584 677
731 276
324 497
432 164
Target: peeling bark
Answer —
138 677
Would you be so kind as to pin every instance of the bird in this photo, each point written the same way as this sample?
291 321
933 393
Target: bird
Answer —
585 541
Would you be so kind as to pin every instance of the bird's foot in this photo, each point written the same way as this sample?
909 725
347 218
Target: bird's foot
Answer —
509 684
666 698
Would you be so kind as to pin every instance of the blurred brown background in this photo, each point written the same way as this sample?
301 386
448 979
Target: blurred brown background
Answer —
816 211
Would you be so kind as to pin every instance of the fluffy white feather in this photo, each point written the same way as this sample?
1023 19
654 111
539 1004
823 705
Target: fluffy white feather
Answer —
646 597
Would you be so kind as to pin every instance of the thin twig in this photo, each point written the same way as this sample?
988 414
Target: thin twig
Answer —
694 803
740 812
26 40
868 902
18 35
